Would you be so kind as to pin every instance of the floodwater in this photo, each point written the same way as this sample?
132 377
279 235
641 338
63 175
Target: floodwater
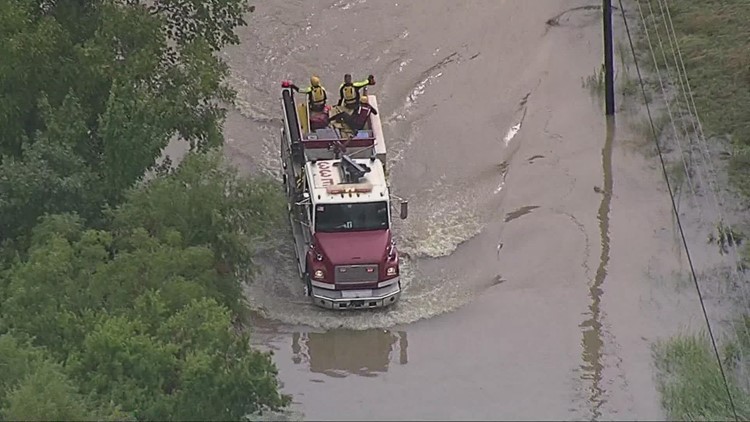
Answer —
539 250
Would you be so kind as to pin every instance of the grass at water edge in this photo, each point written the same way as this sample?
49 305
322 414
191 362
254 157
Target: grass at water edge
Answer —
714 41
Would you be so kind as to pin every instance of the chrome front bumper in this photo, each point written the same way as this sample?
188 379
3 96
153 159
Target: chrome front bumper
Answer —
357 298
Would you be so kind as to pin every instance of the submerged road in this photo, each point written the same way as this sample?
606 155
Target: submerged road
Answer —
539 247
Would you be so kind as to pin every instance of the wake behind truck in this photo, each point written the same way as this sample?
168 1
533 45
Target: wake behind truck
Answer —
339 206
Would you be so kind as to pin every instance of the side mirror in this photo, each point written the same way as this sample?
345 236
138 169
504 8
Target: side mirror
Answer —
404 209
306 195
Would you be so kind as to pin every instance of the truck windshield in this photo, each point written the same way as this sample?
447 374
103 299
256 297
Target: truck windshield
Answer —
351 217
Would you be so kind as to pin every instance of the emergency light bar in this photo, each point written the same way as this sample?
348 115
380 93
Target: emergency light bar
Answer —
358 188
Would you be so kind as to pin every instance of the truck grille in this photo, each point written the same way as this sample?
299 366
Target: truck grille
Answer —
367 273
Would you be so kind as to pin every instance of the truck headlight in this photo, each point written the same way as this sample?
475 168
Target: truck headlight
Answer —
318 274
391 271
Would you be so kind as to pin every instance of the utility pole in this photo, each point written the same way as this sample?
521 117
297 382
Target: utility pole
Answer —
609 71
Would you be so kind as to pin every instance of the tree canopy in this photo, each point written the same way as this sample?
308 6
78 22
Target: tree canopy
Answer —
95 89
120 297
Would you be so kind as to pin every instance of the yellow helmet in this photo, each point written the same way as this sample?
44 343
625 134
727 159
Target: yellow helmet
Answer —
315 81
363 99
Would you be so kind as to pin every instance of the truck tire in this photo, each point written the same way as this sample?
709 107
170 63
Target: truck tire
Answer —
308 285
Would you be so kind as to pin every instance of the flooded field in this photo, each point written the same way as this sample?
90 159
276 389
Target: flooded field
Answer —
540 248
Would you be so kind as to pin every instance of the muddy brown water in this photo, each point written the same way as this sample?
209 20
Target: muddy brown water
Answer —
539 250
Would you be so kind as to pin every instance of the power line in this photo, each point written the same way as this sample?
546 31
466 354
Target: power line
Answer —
664 93
706 159
703 151
677 216
704 154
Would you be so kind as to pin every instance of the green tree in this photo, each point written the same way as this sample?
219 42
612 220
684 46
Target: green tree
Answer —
142 326
16 361
212 20
102 86
144 316
32 387
192 366
50 176
135 287
208 203
45 394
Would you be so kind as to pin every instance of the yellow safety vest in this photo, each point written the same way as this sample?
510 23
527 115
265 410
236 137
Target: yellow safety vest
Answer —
350 94
317 95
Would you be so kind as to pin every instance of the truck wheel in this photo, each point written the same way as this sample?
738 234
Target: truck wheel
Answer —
308 286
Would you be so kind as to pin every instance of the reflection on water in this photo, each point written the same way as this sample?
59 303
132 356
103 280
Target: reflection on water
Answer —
339 353
593 342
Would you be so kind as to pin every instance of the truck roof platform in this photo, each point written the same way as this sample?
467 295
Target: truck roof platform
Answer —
319 143
329 186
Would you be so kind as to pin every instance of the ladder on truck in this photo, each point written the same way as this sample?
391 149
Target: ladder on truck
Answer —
293 161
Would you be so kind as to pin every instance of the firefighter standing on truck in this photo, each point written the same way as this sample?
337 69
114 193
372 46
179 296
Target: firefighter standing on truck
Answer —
316 94
349 91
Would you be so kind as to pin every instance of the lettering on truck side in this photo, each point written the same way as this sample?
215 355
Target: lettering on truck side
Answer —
326 175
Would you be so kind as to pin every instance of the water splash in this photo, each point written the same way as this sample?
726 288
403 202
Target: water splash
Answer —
278 294
447 218
346 5
511 133
504 168
403 64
